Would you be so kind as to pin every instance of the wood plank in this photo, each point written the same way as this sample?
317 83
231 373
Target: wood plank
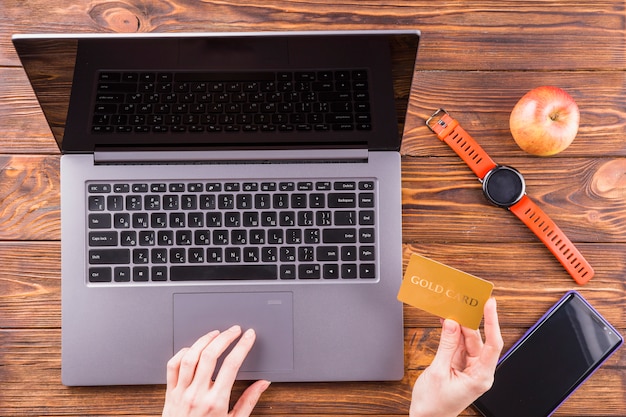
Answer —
452 39
466 65
31 365
31 290
443 200
29 198
31 285
526 288
24 127
482 102
441 192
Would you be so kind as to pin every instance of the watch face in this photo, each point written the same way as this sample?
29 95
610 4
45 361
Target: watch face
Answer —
504 186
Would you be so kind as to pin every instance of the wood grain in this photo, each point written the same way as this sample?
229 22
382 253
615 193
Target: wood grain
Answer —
31 287
601 99
439 191
476 59
585 197
482 102
29 198
32 363
475 35
24 128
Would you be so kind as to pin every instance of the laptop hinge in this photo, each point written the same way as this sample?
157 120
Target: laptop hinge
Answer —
224 157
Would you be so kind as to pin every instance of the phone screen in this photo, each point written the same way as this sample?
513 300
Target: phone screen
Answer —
550 361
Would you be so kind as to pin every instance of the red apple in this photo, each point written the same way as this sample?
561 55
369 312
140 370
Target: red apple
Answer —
544 121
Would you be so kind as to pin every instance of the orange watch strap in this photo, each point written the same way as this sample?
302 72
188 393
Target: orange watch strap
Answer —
550 234
448 130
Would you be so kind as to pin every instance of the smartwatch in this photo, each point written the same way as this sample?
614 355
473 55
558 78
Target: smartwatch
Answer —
504 186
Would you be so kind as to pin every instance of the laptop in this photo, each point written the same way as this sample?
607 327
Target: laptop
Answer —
213 179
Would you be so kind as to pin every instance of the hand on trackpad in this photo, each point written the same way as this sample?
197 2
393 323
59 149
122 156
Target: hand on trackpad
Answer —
269 314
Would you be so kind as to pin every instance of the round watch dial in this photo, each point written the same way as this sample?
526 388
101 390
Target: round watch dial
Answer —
504 186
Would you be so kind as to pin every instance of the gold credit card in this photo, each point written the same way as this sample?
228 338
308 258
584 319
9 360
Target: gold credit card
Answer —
444 291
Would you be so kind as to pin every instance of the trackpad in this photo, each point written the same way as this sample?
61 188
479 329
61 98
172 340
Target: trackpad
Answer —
270 314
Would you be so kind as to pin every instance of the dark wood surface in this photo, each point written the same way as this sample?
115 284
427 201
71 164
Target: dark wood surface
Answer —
477 58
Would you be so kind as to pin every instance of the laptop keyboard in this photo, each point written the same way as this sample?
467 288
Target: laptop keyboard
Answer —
246 230
197 102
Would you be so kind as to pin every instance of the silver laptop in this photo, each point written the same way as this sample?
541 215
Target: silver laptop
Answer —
212 179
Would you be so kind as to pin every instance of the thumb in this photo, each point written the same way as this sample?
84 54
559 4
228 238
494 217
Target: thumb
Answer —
448 344
248 400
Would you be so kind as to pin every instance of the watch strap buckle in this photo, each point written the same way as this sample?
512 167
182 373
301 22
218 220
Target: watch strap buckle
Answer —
438 121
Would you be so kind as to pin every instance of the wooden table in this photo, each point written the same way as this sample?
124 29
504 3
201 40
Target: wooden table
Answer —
477 58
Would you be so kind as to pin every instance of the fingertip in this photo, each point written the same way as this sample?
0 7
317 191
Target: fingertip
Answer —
491 312
264 385
203 341
247 340
448 344
250 398
235 329
173 367
493 335
450 326
450 334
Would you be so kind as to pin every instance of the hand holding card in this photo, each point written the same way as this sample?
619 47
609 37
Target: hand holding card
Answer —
444 291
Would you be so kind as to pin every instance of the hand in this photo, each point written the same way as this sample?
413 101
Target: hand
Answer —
190 389
462 370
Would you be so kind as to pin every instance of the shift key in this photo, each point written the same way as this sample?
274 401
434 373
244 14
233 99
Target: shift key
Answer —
109 256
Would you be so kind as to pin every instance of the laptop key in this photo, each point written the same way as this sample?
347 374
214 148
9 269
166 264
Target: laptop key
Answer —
109 256
367 271
223 272
309 271
344 235
99 221
327 253
103 238
140 273
287 272
99 188
345 218
342 200
96 203
348 271
121 274
331 271
99 274
159 273
366 235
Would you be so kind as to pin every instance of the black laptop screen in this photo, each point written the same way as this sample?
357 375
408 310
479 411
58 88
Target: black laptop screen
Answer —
223 91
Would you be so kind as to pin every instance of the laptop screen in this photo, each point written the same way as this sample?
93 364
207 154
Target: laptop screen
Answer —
222 91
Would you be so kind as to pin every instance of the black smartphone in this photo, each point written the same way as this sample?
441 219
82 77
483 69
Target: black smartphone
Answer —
550 361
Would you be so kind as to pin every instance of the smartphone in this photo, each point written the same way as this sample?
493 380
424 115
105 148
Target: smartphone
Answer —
550 361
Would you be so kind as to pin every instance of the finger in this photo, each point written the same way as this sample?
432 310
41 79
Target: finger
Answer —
189 360
470 346
448 344
230 367
473 341
173 368
248 400
211 354
493 338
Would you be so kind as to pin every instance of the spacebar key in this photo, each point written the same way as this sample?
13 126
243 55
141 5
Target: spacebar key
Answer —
223 272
